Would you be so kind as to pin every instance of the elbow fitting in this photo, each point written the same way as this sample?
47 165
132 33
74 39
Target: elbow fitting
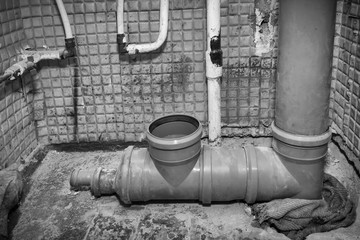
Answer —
121 43
70 49
304 156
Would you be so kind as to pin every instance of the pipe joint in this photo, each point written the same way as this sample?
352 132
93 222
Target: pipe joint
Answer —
70 48
252 175
122 179
300 147
121 41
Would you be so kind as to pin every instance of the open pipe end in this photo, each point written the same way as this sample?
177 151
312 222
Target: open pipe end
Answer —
81 179
175 145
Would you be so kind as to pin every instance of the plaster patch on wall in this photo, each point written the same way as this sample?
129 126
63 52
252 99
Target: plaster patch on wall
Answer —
265 21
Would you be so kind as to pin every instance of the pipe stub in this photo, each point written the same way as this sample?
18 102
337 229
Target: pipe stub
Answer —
174 138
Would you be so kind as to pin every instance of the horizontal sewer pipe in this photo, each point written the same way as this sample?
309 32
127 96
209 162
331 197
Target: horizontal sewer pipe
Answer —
176 167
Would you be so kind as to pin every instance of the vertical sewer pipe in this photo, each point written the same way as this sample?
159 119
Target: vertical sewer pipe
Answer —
301 129
176 167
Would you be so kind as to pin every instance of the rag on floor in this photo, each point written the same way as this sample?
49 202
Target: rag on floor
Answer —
11 186
297 218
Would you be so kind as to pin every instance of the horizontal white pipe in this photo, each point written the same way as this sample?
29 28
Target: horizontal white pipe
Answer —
148 47
64 19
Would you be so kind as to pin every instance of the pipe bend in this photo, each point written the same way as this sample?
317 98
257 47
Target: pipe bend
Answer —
148 47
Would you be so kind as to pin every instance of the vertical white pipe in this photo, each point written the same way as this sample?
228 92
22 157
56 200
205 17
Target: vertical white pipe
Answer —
120 17
64 19
213 70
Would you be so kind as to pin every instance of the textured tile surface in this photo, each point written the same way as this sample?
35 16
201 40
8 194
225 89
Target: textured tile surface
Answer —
104 96
345 96
17 129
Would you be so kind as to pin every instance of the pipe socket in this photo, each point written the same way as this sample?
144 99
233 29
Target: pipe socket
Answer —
174 145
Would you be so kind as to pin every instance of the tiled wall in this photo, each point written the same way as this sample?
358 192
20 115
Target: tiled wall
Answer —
17 130
101 96
345 104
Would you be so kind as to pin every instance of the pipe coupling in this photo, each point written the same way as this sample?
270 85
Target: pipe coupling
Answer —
300 147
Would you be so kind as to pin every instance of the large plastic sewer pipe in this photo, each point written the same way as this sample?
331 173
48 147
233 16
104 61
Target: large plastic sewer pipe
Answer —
301 129
175 166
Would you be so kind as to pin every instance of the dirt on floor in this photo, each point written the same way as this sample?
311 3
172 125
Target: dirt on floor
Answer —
50 210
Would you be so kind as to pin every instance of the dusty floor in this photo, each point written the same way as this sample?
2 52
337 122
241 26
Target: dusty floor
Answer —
51 211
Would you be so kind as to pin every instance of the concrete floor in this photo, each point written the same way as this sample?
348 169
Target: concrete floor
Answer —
51 211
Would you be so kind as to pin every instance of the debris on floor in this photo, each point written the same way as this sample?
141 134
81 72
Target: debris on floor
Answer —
298 218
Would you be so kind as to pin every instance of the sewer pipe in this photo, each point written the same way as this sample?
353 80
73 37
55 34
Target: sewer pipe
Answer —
146 47
301 129
213 70
176 167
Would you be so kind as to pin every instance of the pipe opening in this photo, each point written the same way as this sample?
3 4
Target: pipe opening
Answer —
174 126
174 145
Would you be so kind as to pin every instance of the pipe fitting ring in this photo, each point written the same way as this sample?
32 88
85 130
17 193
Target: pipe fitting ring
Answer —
300 140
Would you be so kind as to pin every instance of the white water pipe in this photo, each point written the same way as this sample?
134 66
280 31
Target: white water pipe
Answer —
146 47
120 18
64 19
213 70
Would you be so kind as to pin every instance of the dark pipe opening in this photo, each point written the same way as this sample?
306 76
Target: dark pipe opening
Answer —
174 126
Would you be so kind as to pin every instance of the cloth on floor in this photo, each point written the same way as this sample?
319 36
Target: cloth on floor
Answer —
10 193
297 218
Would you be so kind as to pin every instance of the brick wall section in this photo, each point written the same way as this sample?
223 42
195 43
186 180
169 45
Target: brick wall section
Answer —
17 130
345 101
103 96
